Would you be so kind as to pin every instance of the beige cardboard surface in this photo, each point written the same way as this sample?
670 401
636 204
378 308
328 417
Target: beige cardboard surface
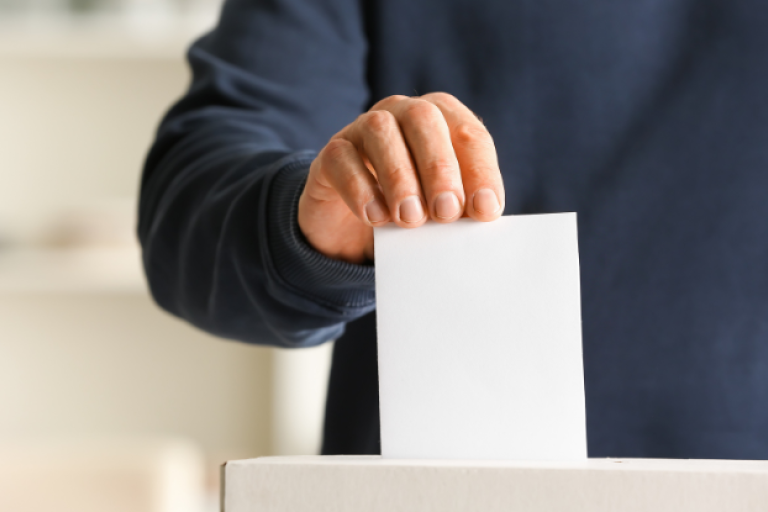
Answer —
372 484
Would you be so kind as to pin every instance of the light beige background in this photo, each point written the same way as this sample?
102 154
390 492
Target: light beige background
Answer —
85 354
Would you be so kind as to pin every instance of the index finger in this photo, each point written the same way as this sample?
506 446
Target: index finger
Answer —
476 153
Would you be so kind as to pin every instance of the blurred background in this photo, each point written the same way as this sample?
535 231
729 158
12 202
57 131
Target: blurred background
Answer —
106 402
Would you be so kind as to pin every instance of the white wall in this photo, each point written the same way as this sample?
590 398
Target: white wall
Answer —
75 126
84 352
103 364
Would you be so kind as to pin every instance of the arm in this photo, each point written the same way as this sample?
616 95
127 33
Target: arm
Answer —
247 233
222 247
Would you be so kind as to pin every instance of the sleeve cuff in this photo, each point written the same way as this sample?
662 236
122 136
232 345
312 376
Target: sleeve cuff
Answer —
339 285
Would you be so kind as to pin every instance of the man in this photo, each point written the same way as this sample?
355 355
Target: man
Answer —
308 122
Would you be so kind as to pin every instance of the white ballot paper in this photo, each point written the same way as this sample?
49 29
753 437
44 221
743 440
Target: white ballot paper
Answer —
479 340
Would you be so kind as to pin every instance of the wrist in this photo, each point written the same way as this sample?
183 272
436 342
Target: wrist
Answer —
298 266
330 228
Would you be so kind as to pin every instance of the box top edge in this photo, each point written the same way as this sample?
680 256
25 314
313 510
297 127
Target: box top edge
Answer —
696 465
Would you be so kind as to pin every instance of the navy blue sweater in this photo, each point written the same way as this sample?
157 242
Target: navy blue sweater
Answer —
648 118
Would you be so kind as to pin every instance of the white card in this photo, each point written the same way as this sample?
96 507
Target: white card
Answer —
479 336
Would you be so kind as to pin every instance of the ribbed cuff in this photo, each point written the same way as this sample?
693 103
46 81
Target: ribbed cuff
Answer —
331 283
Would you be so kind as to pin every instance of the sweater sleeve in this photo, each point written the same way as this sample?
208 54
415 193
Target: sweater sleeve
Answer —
217 218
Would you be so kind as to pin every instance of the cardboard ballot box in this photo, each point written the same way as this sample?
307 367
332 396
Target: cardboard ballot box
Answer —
373 484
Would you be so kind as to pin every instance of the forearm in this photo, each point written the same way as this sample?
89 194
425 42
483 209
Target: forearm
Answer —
217 221
222 249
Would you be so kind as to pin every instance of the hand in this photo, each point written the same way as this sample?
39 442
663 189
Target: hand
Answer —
404 161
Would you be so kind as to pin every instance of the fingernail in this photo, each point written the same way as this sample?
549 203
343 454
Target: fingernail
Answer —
447 205
485 201
376 212
411 209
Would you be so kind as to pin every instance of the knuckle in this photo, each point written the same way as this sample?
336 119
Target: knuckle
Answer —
395 98
378 121
400 174
336 149
389 101
351 183
471 133
481 174
438 169
419 109
443 97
